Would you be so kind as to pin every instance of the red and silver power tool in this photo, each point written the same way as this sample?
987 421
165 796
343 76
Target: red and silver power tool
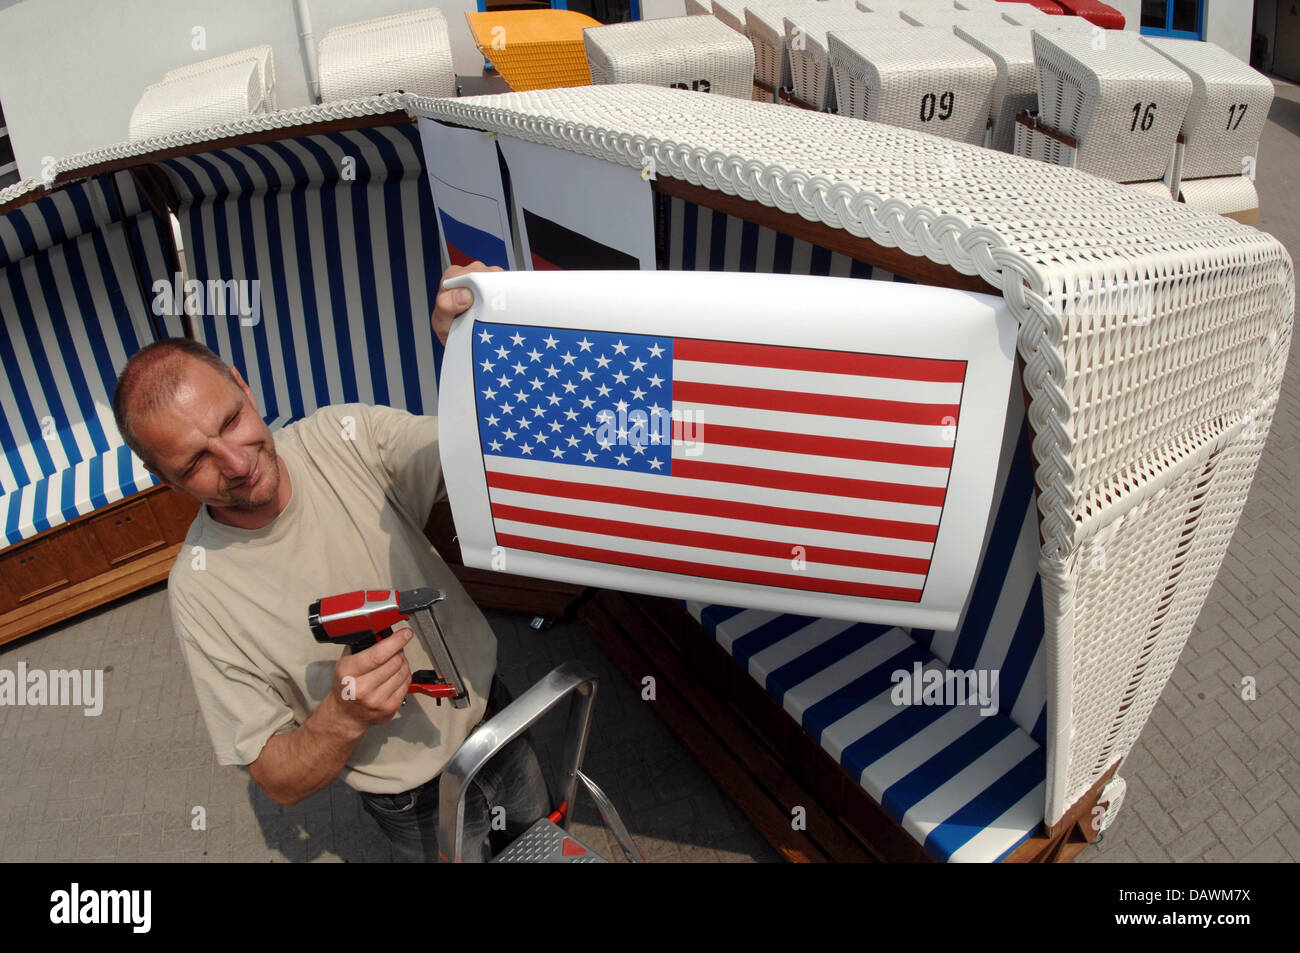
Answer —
362 618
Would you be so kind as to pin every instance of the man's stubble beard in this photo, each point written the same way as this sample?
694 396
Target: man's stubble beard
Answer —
271 477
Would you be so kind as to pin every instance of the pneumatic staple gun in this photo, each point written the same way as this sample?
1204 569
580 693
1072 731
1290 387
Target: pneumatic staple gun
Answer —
362 618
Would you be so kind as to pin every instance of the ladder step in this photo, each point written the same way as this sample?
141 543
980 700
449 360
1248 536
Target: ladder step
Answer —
548 843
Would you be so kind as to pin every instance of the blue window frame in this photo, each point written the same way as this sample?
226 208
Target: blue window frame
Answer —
1184 19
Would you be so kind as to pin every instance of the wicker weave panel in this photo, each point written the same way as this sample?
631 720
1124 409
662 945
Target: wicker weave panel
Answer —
261 55
1228 111
199 99
410 52
1124 102
765 26
696 53
1011 48
922 78
1226 195
806 33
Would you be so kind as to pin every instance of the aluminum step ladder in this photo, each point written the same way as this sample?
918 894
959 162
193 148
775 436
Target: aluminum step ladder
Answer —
546 841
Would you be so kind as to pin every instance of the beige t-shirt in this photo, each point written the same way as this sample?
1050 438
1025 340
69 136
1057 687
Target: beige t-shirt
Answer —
364 479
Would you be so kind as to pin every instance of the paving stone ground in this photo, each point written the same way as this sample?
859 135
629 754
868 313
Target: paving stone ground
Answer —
1212 777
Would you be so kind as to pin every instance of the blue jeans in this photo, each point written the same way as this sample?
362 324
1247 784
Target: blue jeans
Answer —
512 780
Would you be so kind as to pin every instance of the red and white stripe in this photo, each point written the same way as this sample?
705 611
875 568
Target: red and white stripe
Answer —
810 470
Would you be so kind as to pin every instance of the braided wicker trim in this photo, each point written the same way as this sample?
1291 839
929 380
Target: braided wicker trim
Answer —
17 190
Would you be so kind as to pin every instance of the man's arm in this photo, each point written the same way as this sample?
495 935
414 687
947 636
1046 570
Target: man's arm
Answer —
368 690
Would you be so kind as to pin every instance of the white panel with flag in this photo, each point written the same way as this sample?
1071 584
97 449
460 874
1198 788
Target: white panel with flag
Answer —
825 446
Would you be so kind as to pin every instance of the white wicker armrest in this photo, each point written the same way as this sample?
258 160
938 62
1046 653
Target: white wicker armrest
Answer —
1122 100
202 99
921 78
261 55
1011 48
1228 111
698 53
408 52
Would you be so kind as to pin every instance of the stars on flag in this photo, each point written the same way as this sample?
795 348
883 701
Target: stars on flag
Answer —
587 404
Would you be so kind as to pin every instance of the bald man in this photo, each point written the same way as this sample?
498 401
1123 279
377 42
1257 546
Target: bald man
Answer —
332 503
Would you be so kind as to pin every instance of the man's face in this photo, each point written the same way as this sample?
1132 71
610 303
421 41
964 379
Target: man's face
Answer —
210 441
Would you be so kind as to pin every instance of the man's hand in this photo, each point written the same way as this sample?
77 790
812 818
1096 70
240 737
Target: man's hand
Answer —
371 685
454 302
368 689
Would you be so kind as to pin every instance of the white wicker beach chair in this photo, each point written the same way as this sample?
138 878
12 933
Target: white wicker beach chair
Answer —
805 39
1026 14
922 78
408 52
941 17
698 53
1223 125
1011 48
732 12
1124 103
1150 405
765 27
198 100
261 55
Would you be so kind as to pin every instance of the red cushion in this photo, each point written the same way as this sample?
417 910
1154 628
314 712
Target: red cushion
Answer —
1095 12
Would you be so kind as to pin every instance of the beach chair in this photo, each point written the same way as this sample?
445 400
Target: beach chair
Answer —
261 55
1011 48
1219 141
1138 475
697 53
1120 101
406 52
922 78
806 32
765 26
198 99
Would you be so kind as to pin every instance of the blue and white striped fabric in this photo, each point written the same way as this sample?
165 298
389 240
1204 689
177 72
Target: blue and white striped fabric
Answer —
72 311
968 787
339 230
700 239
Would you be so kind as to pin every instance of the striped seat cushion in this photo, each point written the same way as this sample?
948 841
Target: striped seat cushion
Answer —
967 786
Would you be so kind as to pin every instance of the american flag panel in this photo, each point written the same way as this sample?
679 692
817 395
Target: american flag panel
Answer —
682 460
717 458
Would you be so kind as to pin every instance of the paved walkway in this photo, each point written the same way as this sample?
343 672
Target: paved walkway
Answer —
1211 778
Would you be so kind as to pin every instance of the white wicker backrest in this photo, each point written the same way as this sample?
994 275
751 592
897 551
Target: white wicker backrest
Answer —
923 78
941 17
1067 24
197 101
1016 89
765 27
410 52
261 55
1121 99
1026 14
1153 336
732 12
697 53
1228 111
805 38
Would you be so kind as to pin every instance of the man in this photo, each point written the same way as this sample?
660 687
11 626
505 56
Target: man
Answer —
333 503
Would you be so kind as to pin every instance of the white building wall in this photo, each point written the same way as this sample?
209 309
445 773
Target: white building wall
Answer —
1229 24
